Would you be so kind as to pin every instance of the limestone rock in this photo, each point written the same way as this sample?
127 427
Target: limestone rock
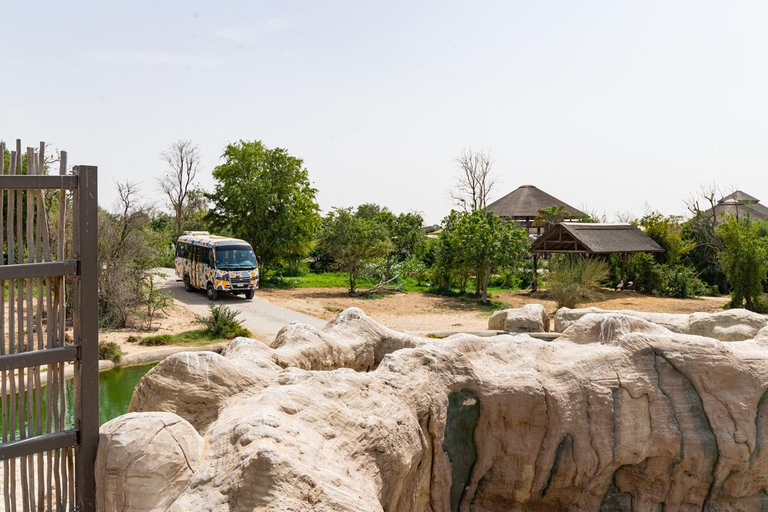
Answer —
153 478
730 325
529 318
618 414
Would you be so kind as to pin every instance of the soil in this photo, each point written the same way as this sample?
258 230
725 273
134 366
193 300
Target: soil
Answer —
421 312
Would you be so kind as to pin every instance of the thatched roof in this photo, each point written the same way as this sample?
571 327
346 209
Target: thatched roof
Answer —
588 238
526 201
740 204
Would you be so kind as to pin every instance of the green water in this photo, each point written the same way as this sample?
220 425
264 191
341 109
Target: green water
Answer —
115 390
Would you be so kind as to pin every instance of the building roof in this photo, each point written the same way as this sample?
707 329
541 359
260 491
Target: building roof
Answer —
580 237
740 204
526 201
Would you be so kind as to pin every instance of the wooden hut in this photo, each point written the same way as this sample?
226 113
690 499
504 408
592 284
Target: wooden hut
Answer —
522 206
590 240
739 204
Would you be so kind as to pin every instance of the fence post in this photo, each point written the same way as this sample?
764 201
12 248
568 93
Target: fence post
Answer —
86 331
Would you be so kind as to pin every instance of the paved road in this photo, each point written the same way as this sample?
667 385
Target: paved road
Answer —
261 317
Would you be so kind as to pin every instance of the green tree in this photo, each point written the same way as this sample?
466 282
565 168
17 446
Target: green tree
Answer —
476 244
405 233
745 262
354 239
264 196
546 217
665 232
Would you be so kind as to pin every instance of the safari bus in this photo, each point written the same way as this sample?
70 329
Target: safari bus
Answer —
216 264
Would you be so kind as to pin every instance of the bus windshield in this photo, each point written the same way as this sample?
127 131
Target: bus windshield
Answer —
235 257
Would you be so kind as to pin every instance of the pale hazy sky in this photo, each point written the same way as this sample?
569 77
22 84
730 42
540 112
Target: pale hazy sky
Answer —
608 104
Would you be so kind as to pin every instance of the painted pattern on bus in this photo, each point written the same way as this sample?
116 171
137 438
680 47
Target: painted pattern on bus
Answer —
201 273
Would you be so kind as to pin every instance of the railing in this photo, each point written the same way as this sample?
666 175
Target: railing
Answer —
49 266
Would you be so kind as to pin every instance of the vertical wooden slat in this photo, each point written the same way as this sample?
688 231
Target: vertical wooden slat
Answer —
59 415
39 207
22 408
12 330
29 328
3 375
87 334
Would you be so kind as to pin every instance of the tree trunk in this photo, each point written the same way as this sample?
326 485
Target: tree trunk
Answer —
484 291
352 277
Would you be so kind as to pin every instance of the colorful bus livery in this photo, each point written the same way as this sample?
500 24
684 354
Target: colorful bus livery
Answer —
216 264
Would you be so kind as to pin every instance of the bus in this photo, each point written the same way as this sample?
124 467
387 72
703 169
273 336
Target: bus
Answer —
216 264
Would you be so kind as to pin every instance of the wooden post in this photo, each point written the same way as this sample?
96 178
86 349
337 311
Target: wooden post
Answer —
535 280
623 269
86 331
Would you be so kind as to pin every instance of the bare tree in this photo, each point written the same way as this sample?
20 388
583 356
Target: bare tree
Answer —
474 181
183 159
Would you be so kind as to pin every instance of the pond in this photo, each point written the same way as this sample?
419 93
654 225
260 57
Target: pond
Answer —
115 390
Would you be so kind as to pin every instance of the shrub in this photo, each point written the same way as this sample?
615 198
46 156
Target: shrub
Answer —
745 262
109 350
221 322
682 283
574 279
241 332
648 276
156 341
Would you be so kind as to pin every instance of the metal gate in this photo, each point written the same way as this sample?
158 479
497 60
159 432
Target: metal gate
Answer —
49 268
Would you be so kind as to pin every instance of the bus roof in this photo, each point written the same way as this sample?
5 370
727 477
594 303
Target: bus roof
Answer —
208 240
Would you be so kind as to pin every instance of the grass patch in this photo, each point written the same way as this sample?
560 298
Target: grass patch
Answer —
197 337
333 309
110 351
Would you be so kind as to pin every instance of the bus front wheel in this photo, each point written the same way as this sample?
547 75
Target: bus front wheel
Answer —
213 295
187 285
249 294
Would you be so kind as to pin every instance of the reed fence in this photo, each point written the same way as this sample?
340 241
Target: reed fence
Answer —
48 278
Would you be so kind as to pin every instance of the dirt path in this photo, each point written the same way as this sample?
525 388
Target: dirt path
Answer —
421 312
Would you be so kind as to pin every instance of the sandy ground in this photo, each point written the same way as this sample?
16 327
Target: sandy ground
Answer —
418 312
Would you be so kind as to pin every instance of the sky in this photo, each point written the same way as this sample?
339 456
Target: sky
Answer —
617 107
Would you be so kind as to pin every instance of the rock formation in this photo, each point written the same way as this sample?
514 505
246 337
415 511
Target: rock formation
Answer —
730 325
529 318
616 415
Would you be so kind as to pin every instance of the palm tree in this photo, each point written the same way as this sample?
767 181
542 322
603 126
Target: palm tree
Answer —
546 217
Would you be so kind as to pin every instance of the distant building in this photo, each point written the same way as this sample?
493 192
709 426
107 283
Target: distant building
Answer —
739 204
522 205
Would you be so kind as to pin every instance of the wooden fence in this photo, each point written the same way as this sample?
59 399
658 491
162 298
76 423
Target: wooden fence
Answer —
49 268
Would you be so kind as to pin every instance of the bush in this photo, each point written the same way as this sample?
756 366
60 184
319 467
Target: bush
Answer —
221 322
156 341
109 350
647 274
241 332
574 279
682 283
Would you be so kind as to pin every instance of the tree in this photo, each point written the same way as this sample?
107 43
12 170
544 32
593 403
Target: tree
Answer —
183 159
354 239
546 217
476 244
745 262
126 256
475 181
264 196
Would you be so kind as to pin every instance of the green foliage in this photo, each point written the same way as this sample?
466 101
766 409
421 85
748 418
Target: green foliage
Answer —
745 262
473 245
682 283
550 216
574 278
109 350
665 232
647 274
264 196
222 322
354 239
156 340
